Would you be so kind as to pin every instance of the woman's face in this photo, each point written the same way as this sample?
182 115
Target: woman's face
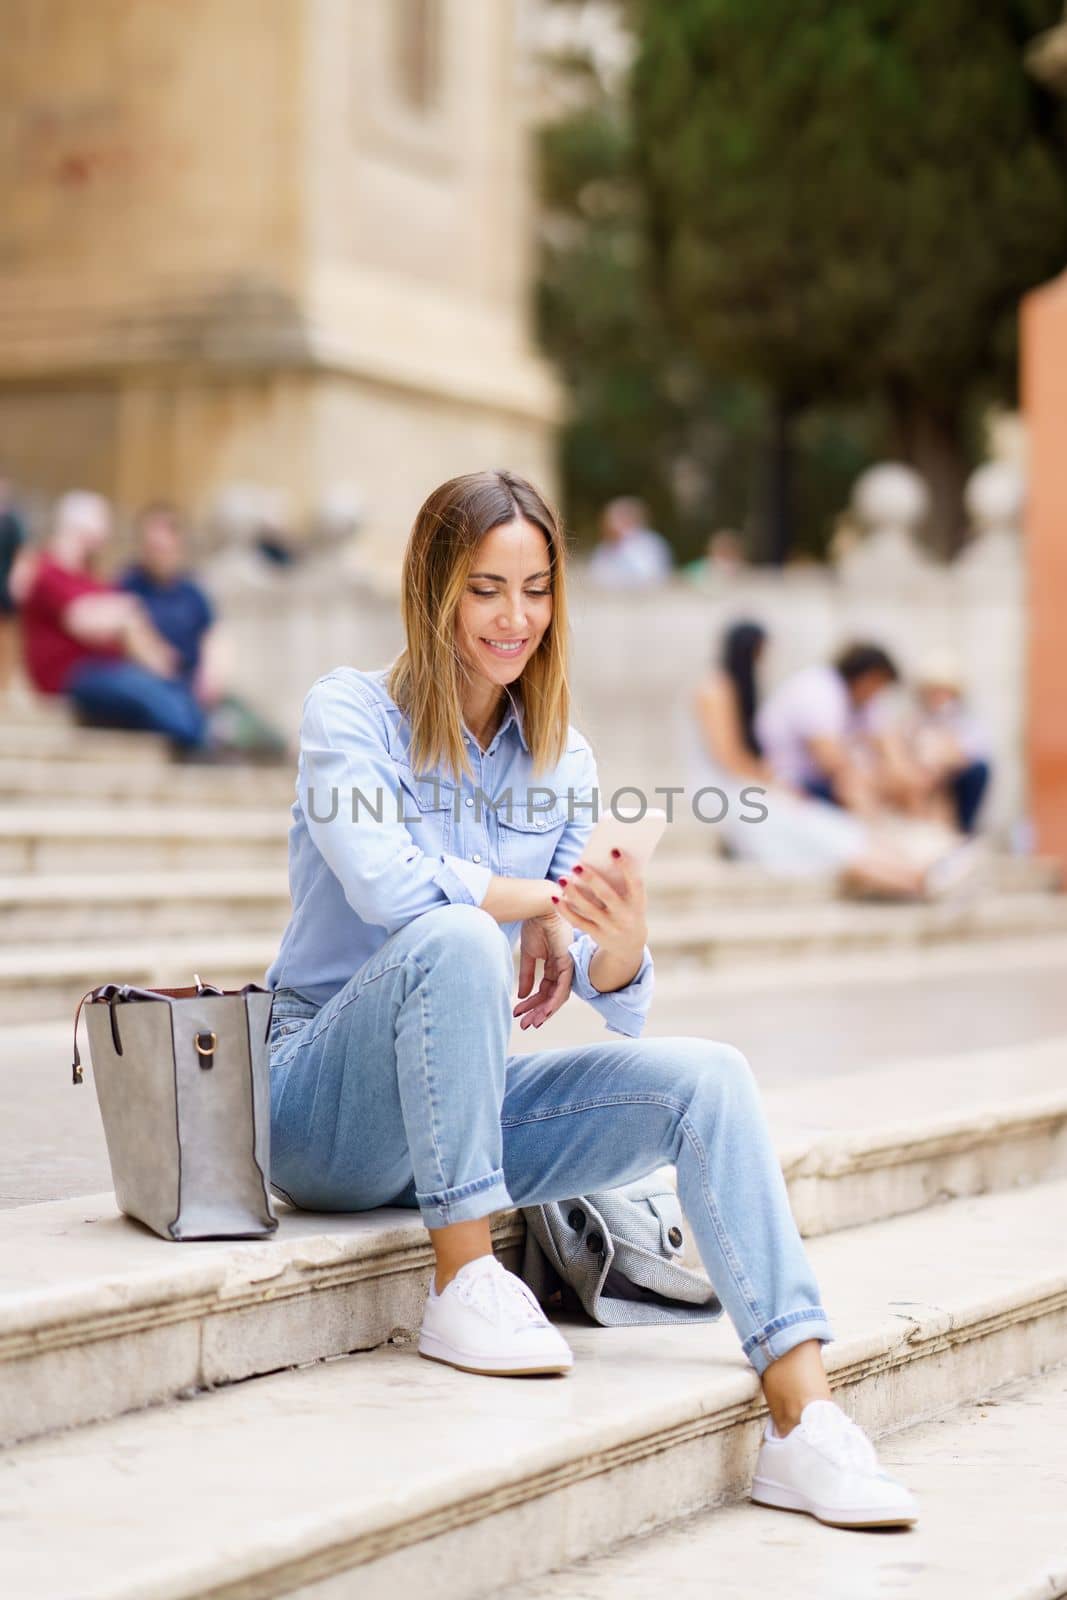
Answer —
508 601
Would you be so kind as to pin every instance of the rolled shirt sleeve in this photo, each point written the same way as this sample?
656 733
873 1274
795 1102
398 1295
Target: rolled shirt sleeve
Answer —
624 1010
386 878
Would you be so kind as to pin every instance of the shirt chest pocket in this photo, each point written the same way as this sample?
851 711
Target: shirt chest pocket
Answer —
528 843
426 810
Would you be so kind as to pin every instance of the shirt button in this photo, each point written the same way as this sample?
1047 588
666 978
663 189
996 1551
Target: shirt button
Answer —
476 858
468 801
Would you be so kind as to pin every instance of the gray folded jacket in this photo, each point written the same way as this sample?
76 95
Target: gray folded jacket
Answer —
616 1254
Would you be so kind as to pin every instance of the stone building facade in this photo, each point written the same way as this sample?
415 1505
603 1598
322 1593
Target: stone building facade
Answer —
275 242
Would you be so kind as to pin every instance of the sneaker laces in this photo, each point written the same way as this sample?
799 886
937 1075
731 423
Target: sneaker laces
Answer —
828 1430
500 1297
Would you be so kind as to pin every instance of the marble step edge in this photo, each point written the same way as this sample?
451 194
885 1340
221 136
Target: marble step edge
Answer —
65 966
30 778
240 1273
190 1317
845 1180
674 874
835 1182
47 962
747 918
996 1533
122 823
218 886
35 988
655 1456
211 1274
68 741
846 921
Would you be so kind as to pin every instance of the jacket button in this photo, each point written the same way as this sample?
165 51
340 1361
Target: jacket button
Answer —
576 1219
595 1243
675 1237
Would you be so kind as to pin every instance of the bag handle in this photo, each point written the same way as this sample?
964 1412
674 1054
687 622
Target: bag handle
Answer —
110 992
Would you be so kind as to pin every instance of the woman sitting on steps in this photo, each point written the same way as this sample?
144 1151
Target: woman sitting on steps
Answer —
391 1081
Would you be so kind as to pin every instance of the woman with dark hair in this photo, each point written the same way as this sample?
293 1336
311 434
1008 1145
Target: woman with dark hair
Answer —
788 833
442 808
741 648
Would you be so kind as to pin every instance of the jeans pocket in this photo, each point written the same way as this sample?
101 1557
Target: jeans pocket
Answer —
282 1027
285 1033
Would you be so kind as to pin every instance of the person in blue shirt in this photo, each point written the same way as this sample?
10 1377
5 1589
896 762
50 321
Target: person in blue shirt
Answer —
177 605
442 805
184 615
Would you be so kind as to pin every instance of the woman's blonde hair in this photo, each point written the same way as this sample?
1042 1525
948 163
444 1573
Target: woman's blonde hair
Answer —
427 678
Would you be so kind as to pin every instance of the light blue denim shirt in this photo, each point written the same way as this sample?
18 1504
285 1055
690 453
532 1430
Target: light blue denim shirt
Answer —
357 873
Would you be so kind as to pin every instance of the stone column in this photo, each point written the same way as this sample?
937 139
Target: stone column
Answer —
1044 394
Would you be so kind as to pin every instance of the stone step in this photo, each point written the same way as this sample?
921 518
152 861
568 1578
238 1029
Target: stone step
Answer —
58 740
862 1146
381 1474
97 1316
46 980
34 780
140 839
680 877
64 907
55 906
43 978
21 705
986 1529
728 935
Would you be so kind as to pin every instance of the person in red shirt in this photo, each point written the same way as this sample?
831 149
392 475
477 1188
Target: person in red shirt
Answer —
88 640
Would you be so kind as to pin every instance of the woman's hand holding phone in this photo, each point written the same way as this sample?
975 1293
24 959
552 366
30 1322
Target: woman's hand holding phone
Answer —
611 908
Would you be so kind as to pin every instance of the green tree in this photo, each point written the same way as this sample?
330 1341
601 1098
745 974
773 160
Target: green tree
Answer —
844 203
647 415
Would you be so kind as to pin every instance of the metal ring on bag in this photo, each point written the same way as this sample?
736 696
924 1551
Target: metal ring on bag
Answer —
206 1052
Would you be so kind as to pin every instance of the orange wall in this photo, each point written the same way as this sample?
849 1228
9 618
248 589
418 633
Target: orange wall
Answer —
1044 396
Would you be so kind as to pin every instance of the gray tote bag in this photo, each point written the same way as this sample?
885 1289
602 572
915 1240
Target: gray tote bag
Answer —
182 1077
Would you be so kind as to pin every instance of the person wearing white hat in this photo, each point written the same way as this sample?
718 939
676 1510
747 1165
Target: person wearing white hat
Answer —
948 741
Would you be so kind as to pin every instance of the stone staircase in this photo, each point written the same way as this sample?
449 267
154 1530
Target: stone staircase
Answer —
380 1474
933 1192
115 860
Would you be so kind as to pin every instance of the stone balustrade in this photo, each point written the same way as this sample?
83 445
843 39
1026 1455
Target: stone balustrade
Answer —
637 656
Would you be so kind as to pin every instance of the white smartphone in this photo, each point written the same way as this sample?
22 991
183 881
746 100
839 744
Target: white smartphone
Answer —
638 836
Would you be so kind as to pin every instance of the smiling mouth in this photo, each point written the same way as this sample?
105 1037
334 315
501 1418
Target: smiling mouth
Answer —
505 648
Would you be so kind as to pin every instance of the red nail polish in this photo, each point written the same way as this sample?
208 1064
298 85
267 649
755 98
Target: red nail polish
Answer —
616 854
563 883
577 869
555 899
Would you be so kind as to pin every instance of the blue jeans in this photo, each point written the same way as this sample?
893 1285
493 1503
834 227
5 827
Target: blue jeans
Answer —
123 694
967 788
400 1091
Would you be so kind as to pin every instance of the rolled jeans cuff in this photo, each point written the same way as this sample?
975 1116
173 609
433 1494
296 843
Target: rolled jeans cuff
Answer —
781 1335
465 1203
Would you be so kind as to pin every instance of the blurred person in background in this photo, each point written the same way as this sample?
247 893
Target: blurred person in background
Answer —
629 555
827 732
723 559
948 742
86 639
781 826
184 616
179 608
13 544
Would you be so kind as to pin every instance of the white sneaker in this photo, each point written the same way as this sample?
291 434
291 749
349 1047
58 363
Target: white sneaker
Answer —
827 1466
487 1320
